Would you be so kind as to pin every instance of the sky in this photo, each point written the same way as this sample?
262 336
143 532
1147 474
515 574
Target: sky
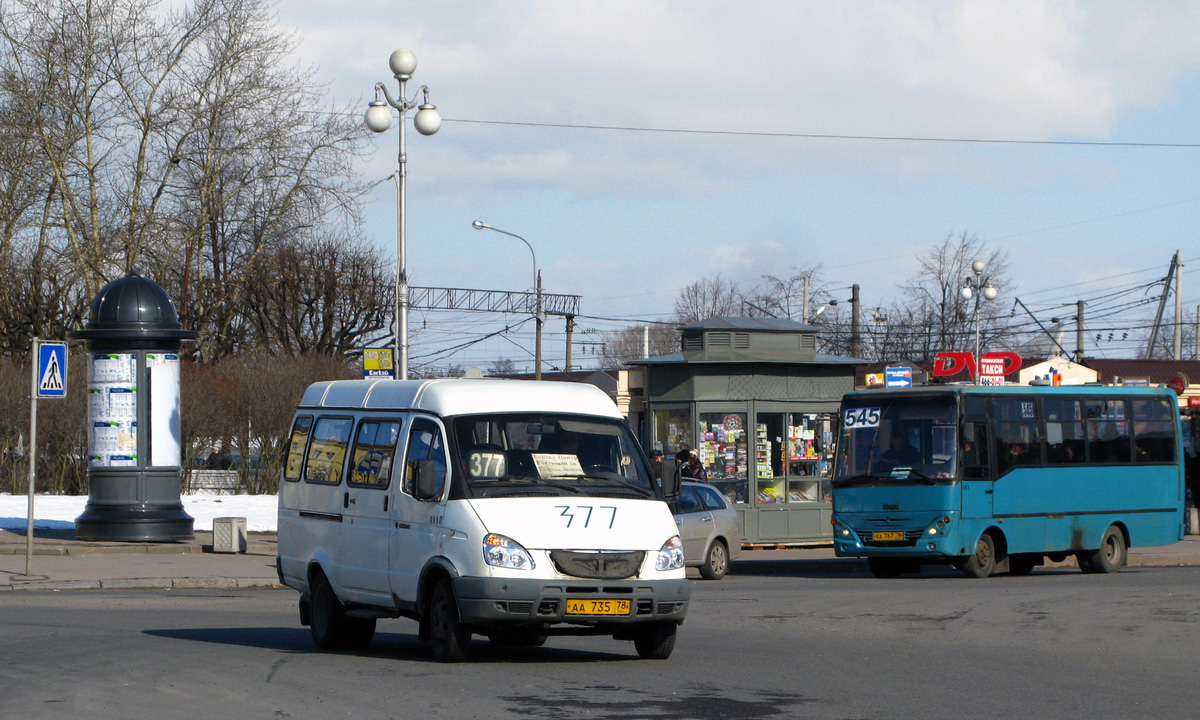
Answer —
641 146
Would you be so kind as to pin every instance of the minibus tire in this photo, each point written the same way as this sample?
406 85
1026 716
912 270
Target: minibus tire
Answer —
331 629
716 562
656 640
447 635
1112 554
983 562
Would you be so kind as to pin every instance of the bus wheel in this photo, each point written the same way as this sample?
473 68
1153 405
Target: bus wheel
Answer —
981 564
1022 563
884 567
449 638
1111 556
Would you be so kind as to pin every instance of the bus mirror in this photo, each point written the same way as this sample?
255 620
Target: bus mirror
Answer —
425 476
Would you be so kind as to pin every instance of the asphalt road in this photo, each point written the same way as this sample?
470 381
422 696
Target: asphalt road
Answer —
766 642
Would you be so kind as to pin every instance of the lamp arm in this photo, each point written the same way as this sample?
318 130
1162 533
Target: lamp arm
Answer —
402 105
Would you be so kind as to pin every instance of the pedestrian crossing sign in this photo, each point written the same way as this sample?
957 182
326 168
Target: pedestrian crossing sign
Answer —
52 370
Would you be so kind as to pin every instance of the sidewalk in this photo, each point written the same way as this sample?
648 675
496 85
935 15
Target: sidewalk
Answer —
70 564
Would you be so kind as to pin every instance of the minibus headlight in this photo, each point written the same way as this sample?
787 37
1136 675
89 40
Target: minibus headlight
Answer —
501 551
670 557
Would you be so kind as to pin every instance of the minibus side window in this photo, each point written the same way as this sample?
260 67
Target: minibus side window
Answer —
295 457
327 450
374 447
425 443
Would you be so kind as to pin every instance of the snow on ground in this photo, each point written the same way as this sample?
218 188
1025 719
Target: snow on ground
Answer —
58 512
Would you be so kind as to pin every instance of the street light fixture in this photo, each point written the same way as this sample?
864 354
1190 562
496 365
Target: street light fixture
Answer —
973 288
427 121
537 281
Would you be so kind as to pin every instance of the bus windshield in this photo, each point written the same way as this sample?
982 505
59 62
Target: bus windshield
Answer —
542 453
893 440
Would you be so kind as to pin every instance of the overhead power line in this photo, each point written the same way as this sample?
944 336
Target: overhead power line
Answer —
827 136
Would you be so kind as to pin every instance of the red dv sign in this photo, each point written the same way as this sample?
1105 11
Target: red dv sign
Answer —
992 365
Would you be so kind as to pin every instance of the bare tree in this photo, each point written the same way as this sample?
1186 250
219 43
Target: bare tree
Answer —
708 298
172 142
935 316
629 344
783 296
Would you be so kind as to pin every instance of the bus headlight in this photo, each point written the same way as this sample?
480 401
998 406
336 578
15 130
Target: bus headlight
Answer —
670 557
504 552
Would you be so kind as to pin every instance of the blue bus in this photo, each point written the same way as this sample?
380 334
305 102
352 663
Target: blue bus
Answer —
997 479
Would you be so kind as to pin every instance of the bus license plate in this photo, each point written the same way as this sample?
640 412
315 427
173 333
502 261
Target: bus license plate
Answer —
887 535
577 606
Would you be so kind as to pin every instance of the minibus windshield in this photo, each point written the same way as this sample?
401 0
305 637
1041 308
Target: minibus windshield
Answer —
897 440
500 454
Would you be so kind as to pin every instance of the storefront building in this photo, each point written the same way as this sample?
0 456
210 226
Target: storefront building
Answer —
758 404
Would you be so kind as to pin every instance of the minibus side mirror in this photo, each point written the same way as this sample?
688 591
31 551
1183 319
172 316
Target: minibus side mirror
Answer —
670 479
426 479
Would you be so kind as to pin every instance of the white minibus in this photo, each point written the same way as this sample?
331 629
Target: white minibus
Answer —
509 509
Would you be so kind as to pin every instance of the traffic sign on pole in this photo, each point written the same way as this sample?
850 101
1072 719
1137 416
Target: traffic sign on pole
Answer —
52 370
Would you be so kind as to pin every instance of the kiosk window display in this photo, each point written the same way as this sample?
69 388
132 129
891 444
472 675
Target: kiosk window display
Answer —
722 447
786 458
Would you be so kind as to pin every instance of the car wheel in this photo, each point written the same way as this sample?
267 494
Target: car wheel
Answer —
716 563
449 638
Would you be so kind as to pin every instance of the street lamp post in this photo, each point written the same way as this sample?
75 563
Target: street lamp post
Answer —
537 281
427 121
974 288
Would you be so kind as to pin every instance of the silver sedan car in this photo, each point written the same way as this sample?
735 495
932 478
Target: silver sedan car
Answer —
709 529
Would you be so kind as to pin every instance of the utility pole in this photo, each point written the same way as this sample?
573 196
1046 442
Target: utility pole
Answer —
804 308
1162 304
1078 331
855 324
1178 305
570 333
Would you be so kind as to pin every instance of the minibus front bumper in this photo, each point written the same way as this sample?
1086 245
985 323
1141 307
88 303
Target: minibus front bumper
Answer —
506 601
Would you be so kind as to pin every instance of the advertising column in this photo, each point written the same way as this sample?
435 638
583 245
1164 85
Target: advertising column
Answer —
133 338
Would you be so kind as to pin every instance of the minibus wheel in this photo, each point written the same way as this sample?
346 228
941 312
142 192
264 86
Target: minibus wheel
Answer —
656 640
331 629
983 562
448 636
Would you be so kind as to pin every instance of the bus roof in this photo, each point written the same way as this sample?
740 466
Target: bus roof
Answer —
456 396
1018 390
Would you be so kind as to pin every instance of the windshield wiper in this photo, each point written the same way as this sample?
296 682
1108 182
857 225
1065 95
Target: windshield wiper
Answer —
616 481
858 480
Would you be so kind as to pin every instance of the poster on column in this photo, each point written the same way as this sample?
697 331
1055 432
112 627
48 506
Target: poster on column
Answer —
165 436
112 400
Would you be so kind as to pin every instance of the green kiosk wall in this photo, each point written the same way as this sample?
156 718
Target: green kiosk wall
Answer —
759 405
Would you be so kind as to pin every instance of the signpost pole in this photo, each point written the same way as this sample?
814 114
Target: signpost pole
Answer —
33 398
